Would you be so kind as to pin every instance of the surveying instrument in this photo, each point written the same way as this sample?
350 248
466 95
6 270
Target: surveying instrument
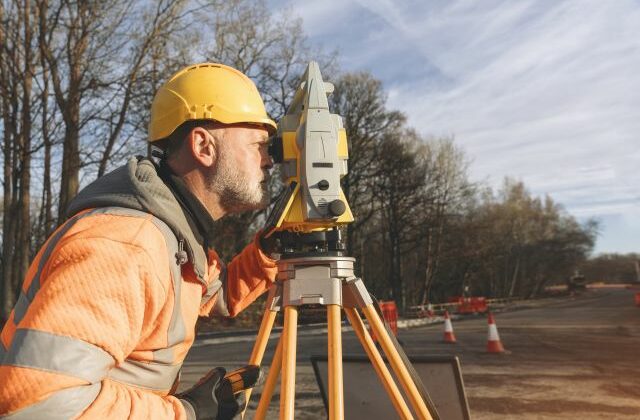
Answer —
311 147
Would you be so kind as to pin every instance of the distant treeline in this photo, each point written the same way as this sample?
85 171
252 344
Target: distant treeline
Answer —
76 83
612 268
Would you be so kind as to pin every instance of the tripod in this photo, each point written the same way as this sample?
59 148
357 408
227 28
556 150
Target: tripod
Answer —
327 278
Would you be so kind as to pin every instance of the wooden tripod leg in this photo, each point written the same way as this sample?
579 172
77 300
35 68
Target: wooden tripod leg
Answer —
260 346
288 381
378 364
336 395
270 383
396 363
262 339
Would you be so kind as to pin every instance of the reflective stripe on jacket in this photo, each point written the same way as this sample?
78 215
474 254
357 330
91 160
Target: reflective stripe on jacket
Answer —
101 326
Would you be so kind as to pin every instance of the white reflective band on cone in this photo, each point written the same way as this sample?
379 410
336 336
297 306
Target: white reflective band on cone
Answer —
447 326
493 333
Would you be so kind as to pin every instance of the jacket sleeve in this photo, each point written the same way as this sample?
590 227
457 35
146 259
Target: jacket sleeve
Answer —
245 278
97 299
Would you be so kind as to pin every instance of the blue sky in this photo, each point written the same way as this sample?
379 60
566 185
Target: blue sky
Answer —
544 91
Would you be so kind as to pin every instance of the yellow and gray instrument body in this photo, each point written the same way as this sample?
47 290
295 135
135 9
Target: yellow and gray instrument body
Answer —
314 154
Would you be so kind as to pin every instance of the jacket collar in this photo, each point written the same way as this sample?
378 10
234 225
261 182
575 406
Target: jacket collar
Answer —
197 215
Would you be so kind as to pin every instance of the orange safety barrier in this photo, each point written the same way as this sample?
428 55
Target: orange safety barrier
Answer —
390 315
470 305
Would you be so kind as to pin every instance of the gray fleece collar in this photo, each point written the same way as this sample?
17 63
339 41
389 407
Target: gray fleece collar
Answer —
137 185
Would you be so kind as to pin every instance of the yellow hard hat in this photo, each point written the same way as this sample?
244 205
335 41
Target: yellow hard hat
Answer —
206 91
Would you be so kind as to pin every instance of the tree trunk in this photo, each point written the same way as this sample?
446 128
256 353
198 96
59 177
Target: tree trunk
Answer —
47 204
395 274
427 271
69 182
514 278
23 243
540 281
9 111
8 224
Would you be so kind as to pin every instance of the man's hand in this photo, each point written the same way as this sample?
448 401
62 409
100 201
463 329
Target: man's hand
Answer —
201 401
215 397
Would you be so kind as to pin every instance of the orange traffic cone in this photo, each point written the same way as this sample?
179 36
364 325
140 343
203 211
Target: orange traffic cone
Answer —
494 345
449 337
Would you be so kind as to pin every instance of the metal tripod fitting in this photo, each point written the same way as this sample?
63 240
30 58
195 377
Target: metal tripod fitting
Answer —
314 280
355 294
274 298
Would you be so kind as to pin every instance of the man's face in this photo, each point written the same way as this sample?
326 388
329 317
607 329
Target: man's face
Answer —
241 173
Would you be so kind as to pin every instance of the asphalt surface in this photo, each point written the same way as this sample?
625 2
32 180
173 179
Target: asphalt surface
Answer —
567 358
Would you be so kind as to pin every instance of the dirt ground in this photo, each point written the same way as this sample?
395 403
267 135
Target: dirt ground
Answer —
574 358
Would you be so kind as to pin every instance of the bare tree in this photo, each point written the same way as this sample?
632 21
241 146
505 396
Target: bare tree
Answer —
16 83
398 192
74 63
360 99
8 97
447 189
94 61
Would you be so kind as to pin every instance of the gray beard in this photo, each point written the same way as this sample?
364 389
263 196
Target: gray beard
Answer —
236 193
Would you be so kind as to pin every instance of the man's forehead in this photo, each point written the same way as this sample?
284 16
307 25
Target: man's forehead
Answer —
260 129
259 133
251 132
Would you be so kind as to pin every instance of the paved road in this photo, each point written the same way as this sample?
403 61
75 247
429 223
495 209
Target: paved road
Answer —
569 358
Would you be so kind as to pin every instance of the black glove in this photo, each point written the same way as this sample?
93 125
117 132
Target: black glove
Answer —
269 245
204 401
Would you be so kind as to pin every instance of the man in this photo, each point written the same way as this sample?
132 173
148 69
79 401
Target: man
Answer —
108 308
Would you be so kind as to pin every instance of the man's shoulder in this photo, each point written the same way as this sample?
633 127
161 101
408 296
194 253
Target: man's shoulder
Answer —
137 229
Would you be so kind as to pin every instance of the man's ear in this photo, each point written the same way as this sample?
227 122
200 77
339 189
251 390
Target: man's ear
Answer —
202 146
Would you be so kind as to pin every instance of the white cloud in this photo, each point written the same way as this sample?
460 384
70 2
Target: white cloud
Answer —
544 91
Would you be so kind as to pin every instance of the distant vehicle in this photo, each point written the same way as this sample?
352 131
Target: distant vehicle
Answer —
576 282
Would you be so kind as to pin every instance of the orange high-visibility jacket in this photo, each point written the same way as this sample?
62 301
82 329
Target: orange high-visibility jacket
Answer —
108 308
